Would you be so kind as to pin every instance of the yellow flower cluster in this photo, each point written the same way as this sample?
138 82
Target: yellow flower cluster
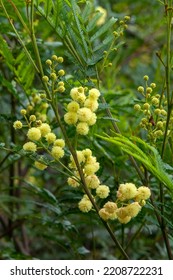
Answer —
54 79
80 111
153 108
38 135
130 200
90 166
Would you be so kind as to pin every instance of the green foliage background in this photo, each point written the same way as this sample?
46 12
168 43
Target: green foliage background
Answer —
39 218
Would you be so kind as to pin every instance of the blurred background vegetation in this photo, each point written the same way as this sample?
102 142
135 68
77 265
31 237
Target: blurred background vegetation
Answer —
39 218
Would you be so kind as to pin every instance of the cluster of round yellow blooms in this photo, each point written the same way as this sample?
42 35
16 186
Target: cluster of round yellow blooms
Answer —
54 80
89 166
36 109
130 200
153 106
42 134
81 110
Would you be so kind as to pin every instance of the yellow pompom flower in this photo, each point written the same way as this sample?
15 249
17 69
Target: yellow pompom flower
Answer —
126 191
110 206
87 153
81 98
74 93
84 114
50 137
17 125
91 104
80 157
103 191
73 106
85 205
108 211
71 118
44 129
92 120
72 182
39 165
34 134
133 209
94 93
124 220
57 152
59 142
122 212
104 214
90 169
91 160
30 146
143 193
92 181
82 128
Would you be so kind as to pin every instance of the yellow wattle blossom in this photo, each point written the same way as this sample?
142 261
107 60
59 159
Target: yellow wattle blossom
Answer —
44 129
92 120
105 215
40 166
133 209
17 125
103 191
126 191
91 160
72 182
34 134
59 142
124 220
50 137
30 146
87 153
84 114
85 205
71 118
90 169
73 106
57 152
82 128
92 181
92 104
74 93
110 206
143 193
108 211
94 93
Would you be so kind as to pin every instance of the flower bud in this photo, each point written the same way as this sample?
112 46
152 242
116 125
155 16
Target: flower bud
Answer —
137 107
49 62
45 79
140 89
146 78
61 72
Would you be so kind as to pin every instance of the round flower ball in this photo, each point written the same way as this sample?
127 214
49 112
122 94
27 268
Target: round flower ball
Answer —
34 134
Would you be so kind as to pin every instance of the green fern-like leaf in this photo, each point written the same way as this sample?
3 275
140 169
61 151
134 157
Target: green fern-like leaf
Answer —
145 154
85 42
